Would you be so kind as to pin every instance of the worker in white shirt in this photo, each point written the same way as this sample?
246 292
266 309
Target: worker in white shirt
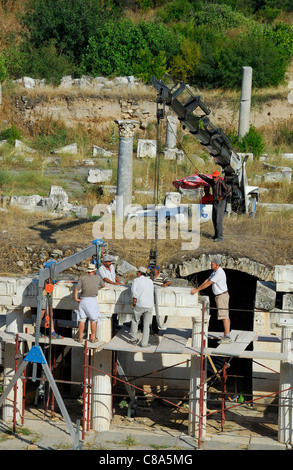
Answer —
107 271
218 281
142 291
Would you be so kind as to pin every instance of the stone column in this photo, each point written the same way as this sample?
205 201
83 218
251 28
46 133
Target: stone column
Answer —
14 324
285 417
171 132
245 102
125 166
102 388
195 369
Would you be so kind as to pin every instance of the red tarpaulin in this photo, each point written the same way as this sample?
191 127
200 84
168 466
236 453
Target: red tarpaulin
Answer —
191 182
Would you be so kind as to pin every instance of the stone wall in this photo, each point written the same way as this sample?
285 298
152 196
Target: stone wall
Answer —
246 265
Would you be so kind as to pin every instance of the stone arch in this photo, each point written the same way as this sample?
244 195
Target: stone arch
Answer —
246 265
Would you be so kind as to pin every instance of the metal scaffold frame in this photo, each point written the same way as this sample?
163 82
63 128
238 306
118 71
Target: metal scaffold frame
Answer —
36 355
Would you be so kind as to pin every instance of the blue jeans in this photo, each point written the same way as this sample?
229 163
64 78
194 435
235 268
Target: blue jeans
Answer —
147 314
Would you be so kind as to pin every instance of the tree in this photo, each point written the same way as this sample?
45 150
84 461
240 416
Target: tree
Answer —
69 23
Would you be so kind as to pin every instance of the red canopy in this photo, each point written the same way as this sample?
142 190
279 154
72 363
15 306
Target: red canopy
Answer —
191 182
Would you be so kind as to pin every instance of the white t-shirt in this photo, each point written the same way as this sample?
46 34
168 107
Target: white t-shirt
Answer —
104 272
219 281
142 289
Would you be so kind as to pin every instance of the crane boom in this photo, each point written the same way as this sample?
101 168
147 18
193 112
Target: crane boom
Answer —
212 138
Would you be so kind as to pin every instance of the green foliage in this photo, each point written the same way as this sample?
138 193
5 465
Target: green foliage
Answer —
222 60
252 142
178 10
269 64
282 35
15 60
205 43
3 69
51 134
220 17
26 182
147 65
182 67
10 134
70 23
45 62
118 48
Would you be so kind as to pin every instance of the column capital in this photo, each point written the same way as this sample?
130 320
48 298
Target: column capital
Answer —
126 127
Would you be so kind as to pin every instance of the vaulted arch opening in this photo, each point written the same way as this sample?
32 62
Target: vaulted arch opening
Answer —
242 290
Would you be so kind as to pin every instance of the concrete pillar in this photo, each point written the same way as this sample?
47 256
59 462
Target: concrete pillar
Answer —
245 102
285 418
171 132
125 165
14 324
195 369
102 388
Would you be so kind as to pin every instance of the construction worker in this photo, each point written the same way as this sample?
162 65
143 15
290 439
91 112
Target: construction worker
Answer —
220 192
107 271
218 281
142 291
88 287
207 198
159 280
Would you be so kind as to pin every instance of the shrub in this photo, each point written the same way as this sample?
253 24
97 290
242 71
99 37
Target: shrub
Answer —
3 69
222 60
45 62
147 65
282 36
221 17
269 64
117 47
70 23
10 134
183 66
252 142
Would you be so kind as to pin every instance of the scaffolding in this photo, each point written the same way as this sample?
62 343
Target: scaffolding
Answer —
118 342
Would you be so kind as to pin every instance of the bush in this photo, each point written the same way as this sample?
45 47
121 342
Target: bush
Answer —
70 23
269 63
47 63
222 60
10 134
117 47
252 142
147 65
182 67
221 17
282 36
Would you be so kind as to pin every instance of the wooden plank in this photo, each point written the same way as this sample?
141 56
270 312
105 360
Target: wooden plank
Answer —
174 340
11 338
240 341
120 342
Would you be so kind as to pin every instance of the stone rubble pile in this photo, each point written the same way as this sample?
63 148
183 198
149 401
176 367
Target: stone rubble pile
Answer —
57 203
97 83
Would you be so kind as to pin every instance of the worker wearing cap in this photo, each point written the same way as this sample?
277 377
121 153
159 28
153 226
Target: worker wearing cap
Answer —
218 281
220 192
85 293
107 272
142 291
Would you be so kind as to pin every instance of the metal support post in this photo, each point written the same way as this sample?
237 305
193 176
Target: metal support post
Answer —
202 379
36 356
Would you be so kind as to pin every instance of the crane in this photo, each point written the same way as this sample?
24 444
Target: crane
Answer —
193 115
